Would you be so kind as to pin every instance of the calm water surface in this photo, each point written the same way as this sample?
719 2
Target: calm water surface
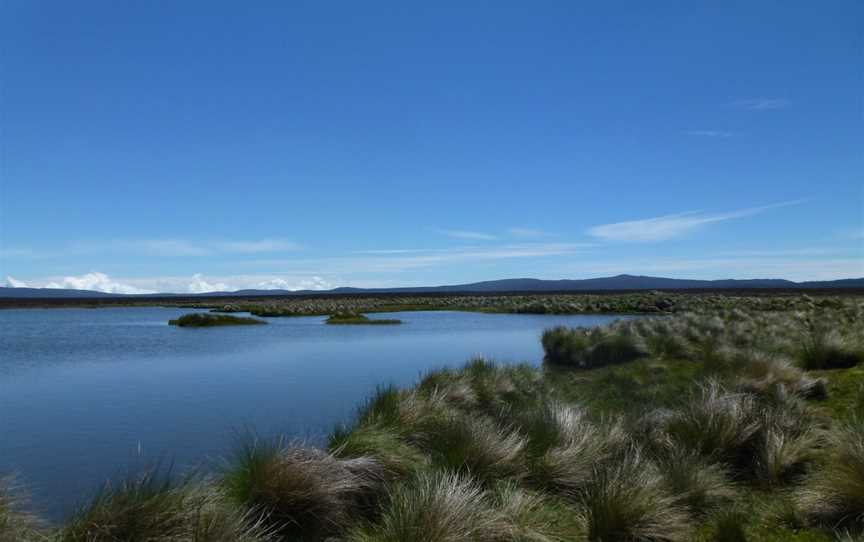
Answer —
86 393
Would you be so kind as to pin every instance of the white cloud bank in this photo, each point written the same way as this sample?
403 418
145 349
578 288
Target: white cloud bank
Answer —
198 283
11 282
99 282
313 283
667 227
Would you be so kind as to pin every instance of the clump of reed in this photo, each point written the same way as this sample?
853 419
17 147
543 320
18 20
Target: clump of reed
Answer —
771 441
398 458
475 445
443 506
436 507
564 447
821 345
833 494
154 506
585 349
699 485
303 491
16 524
761 372
629 500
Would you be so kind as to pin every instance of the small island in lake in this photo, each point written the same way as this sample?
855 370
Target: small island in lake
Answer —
204 319
357 318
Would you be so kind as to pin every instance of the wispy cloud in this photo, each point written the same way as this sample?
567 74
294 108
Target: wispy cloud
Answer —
709 133
674 226
762 104
256 247
464 234
166 248
398 260
527 233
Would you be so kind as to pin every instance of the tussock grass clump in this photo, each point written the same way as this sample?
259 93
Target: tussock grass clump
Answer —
205 319
405 412
303 491
717 424
535 517
629 501
783 454
821 346
729 524
760 372
153 506
398 458
661 340
585 349
437 507
699 485
475 446
834 494
566 448
16 525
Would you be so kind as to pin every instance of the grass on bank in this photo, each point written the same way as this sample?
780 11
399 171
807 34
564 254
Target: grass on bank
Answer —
717 431
207 319
354 318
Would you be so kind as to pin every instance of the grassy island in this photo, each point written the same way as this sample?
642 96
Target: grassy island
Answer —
204 319
723 425
357 318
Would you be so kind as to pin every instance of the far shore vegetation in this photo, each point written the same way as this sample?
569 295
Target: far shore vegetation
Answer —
355 318
737 419
206 319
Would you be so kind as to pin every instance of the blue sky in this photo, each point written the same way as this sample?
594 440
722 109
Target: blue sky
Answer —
190 146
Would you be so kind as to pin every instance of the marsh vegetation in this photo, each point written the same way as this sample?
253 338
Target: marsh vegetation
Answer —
347 317
726 423
205 319
635 303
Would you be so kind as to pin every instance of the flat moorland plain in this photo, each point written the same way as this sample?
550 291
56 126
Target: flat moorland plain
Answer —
653 302
732 420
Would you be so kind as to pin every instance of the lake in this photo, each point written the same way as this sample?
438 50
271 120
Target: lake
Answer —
86 394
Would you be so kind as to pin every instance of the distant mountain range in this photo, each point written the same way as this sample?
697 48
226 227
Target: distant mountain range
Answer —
619 282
